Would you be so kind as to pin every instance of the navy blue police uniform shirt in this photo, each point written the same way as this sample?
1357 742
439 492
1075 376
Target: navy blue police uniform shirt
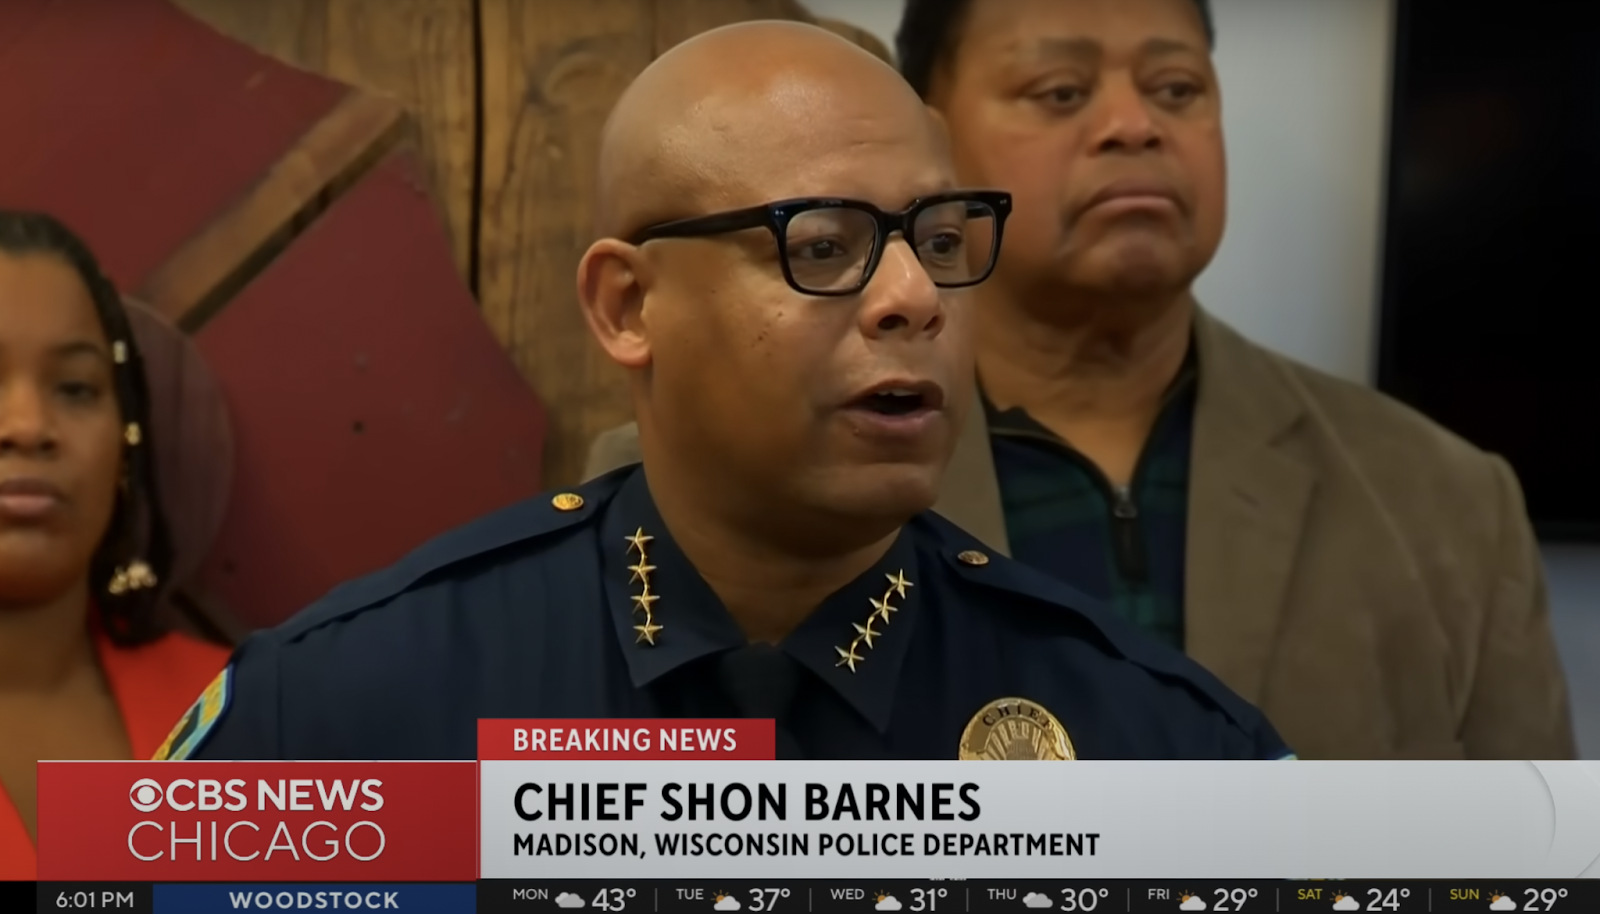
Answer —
581 606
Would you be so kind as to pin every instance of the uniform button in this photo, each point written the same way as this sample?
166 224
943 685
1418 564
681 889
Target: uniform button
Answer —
973 557
567 501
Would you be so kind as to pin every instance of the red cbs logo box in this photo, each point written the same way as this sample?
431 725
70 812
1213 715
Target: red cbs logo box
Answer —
258 821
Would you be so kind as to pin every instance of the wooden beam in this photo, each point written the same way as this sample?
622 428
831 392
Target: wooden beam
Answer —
214 265
421 52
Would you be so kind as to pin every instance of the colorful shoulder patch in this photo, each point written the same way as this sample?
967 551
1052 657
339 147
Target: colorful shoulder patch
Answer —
197 722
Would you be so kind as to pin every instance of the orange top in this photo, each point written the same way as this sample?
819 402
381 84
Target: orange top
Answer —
153 685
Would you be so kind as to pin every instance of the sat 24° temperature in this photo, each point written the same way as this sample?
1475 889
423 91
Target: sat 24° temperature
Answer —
1386 900
612 899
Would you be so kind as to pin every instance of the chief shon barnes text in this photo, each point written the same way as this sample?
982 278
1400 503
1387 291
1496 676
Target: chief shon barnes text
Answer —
737 802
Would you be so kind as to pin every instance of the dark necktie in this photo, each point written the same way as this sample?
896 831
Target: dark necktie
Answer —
761 681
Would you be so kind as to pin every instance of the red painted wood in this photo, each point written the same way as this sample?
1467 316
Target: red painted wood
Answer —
137 124
17 18
371 406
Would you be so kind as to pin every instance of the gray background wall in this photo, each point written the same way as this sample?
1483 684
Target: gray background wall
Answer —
1306 86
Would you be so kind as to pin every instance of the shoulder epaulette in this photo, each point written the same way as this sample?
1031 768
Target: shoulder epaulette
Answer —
540 516
959 548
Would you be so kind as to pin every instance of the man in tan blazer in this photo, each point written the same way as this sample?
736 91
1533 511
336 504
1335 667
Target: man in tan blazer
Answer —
1367 578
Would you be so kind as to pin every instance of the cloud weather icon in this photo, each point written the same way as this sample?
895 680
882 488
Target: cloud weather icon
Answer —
1191 903
1502 903
1346 903
568 900
1037 900
887 903
726 903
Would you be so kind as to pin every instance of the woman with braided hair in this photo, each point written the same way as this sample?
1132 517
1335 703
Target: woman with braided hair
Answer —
86 669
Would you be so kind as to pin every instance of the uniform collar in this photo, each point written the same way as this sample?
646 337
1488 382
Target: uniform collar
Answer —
694 624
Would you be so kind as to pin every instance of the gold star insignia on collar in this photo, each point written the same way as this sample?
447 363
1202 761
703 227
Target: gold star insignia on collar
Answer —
880 611
898 583
644 601
848 657
865 631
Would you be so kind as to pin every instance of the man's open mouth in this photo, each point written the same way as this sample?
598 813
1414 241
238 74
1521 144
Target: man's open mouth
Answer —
894 402
900 399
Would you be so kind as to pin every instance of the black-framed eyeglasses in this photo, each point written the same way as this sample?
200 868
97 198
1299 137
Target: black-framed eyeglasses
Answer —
830 246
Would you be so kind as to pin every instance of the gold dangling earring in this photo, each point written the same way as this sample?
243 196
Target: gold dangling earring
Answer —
136 575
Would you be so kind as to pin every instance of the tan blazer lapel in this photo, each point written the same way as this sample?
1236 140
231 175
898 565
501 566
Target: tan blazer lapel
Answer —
1248 497
970 496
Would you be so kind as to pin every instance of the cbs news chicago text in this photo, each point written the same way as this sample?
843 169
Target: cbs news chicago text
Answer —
656 816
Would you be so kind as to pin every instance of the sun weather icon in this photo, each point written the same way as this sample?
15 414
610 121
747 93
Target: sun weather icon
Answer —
883 901
1500 901
725 902
1189 901
1345 902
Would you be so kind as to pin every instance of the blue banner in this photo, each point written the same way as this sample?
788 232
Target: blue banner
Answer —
225 898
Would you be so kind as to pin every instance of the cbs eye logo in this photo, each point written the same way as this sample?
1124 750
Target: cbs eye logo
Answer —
145 795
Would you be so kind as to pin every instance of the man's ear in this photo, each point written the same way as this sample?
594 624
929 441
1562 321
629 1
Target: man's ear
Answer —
611 285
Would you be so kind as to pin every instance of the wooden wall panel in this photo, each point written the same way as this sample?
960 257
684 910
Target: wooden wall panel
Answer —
551 76
544 75
422 52
551 72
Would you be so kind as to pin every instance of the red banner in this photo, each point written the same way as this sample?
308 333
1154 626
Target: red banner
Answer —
258 821
639 740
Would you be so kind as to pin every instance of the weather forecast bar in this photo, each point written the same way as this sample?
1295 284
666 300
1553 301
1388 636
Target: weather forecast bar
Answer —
1040 895
1023 896
816 897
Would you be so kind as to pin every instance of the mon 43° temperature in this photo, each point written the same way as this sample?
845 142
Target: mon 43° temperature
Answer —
612 899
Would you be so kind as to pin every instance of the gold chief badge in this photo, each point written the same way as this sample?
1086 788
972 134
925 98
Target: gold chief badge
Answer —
1015 730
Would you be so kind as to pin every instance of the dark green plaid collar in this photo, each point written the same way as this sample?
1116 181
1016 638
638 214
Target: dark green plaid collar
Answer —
1123 545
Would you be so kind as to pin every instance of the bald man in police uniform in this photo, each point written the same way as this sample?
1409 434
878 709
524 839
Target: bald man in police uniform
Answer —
782 273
